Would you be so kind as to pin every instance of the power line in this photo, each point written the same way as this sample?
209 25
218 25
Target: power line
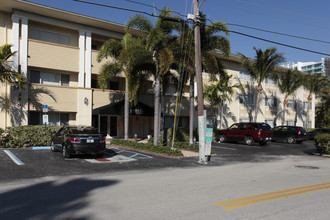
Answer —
273 32
282 44
110 6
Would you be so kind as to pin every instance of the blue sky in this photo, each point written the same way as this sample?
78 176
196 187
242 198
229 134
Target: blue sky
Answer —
309 19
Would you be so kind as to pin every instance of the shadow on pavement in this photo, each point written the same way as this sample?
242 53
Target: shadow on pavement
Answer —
50 200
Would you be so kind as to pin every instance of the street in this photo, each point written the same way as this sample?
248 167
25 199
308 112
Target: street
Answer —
288 185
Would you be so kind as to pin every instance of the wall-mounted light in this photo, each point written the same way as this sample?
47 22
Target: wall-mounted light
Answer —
86 101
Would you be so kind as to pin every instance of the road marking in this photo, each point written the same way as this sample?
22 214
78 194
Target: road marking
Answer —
135 154
226 148
270 196
41 148
14 158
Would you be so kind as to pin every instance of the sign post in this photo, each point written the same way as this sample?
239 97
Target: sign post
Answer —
45 115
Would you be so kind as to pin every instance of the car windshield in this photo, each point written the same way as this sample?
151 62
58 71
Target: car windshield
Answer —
264 127
83 130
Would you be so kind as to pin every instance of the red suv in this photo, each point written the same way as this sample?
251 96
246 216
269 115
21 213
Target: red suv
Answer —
249 133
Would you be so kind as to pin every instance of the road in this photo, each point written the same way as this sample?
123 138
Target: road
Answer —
287 185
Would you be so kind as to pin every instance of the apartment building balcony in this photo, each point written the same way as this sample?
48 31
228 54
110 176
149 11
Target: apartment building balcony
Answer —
43 54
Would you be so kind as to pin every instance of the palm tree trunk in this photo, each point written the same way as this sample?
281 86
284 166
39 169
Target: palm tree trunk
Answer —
126 112
285 102
309 100
156 113
191 113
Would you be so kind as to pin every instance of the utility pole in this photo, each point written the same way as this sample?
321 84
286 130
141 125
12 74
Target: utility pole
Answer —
199 79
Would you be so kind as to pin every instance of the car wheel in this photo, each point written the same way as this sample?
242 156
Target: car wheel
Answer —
52 147
65 152
248 140
291 140
222 138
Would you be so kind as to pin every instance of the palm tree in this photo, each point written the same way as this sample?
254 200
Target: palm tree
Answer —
219 93
156 38
125 54
262 67
314 83
210 41
288 83
7 74
323 109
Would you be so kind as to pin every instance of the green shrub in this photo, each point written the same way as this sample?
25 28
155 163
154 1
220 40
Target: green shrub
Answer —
27 136
322 142
150 147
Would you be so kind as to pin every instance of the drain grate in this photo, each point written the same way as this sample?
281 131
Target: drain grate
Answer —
308 167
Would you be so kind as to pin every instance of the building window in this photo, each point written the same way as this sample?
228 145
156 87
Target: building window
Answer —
291 104
54 118
48 78
270 80
245 75
306 105
114 85
290 123
244 120
270 122
309 124
51 37
271 102
246 99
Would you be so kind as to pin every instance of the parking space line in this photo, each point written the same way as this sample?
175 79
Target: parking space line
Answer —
14 158
41 148
135 154
226 148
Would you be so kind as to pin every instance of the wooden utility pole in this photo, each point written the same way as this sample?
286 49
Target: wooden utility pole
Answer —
199 79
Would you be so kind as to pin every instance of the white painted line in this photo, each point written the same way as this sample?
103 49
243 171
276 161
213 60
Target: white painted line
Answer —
41 148
226 148
14 158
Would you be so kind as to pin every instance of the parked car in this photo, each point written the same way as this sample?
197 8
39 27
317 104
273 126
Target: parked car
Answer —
73 140
247 132
317 131
290 134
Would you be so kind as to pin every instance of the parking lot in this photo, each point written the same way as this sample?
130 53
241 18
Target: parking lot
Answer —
40 161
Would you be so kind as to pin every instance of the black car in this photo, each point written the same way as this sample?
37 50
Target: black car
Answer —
317 131
289 134
73 140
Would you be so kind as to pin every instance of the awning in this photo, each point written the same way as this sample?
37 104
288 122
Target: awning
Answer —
117 108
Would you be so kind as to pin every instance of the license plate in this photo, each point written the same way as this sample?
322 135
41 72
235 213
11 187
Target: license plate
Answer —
90 141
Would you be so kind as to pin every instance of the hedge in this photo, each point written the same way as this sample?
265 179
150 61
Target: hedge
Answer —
150 147
27 136
322 143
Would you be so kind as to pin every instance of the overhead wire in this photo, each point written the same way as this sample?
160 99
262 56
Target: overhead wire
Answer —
236 32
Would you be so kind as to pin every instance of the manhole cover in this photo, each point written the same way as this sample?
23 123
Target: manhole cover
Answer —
307 167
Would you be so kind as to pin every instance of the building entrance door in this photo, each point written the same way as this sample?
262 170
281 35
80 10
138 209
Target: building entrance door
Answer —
104 125
113 126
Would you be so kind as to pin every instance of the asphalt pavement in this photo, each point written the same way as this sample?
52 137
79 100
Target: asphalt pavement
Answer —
29 163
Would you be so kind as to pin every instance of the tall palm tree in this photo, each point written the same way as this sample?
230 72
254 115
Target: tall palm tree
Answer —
156 38
288 82
7 74
210 40
261 67
323 109
125 55
314 83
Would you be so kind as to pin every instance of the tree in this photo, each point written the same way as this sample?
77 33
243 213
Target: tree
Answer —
261 68
156 39
218 94
323 109
7 74
125 56
210 40
314 83
288 82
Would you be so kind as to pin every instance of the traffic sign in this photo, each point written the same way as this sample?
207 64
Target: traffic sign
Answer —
44 108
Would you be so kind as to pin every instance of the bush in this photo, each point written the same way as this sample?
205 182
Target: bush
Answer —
322 142
150 147
27 136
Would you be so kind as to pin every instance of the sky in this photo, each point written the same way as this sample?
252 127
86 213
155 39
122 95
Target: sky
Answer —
304 18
